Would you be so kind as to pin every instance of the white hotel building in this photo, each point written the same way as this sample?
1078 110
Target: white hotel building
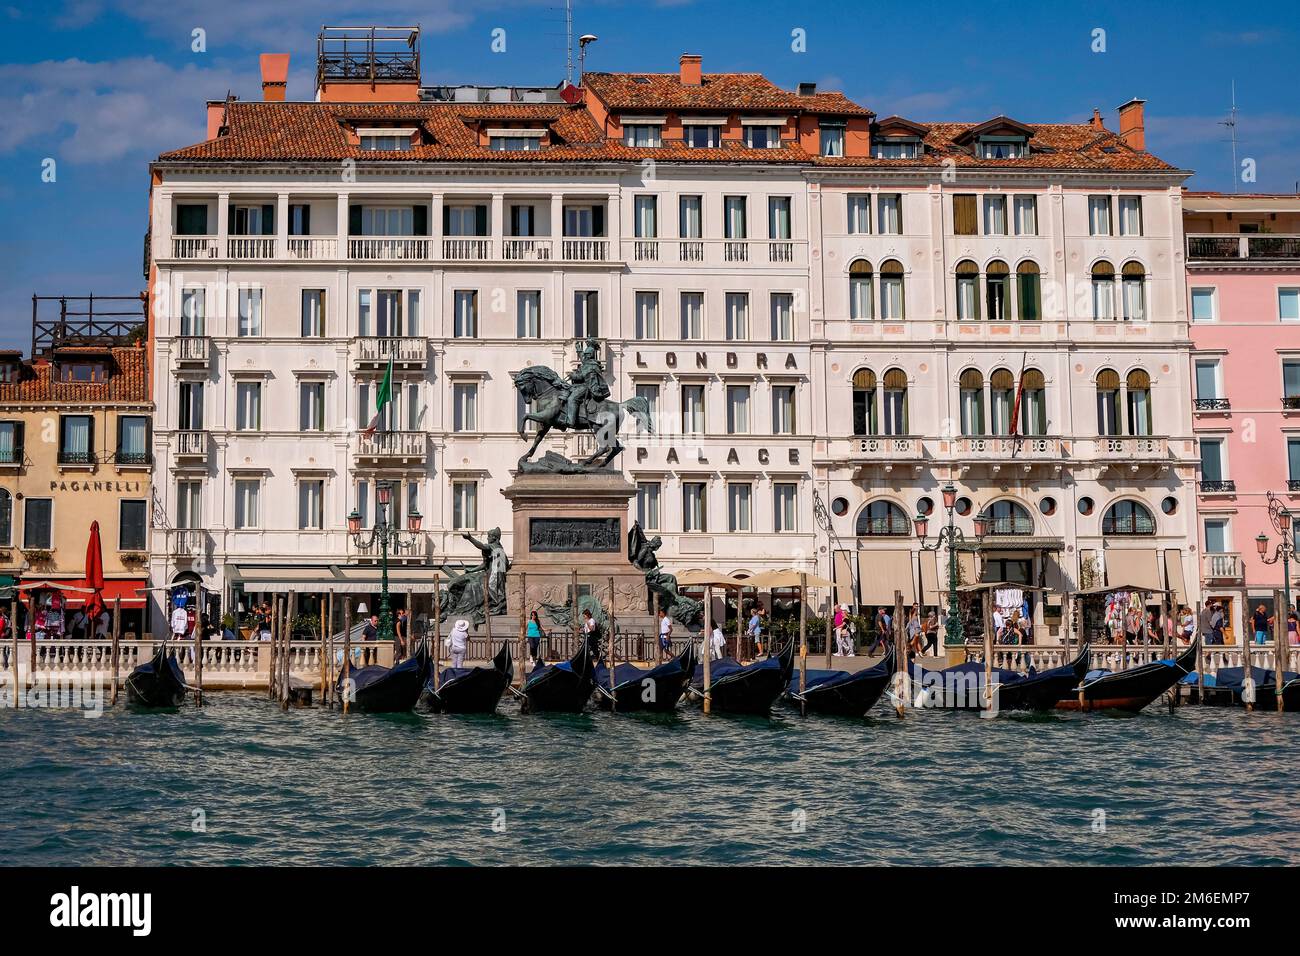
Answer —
823 308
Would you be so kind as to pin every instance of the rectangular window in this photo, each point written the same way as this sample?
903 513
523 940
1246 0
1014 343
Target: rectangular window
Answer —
647 315
131 516
190 406
250 313
1291 383
464 407
737 316
528 318
782 409
785 497
782 317
580 222
248 406
252 220
394 143
644 135
692 316
466 221
702 137
189 504
891 297
645 217
313 313
193 312
388 312
995 215
311 406
1099 216
889 209
523 222
832 140
364 312
132 440
1288 305
651 395
191 219
778 218
733 218
694 511
299 219
38 523
11 443
647 504
1213 463
1130 215
859 215
762 137
1216 536
465 321
1204 305
515 143
737 409
965 215
248 494
1293 459
464 505
311 505
1207 379
1026 215
76 444
586 315
739 495
692 409
903 149
690 217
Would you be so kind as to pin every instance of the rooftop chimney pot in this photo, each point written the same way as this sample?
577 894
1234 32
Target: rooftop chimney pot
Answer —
692 69
1096 122
807 89
275 76
1132 125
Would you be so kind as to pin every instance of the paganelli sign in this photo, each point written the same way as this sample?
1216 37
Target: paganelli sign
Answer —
575 534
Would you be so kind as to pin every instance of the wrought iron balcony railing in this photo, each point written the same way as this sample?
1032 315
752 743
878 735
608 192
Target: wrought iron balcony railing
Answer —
1211 404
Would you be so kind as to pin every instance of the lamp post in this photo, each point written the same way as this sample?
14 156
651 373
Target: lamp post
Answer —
952 536
384 533
1284 551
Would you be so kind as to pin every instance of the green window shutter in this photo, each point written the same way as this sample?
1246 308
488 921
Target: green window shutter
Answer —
446 221
230 220
354 220
420 220
480 220
18 441
597 220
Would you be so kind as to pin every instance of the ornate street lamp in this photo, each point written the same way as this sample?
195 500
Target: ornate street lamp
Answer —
952 537
383 533
1284 551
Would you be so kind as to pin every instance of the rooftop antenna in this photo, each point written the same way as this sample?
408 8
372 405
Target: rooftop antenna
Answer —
582 53
568 43
1231 123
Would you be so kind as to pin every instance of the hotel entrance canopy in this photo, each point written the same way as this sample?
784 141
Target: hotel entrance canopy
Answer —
342 580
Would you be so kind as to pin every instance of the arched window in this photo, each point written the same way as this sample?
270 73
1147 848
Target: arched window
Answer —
861 294
1108 402
865 421
968 291
892 304
997 283
971 385
1139 402
895 402
883 518
1033 403
6 518
1002 398
1029 292
1008 517
1103 291
1128 517
1133 280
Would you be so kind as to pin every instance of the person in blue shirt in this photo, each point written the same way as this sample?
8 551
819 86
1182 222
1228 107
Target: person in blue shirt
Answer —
534 635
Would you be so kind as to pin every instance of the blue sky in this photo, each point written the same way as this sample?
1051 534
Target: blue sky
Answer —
103 86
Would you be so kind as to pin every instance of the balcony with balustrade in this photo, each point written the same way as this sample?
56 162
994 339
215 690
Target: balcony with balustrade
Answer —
1007 451
715 252
374 352
878 452
188 542
1130 451
193 351
190 448
394 449
1252 249
1222 569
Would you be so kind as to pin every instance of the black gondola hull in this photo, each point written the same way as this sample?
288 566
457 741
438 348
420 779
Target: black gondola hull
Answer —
561 689
1044 690
387 690
752 690
159 683
853 697
1130 690
657 690
476 692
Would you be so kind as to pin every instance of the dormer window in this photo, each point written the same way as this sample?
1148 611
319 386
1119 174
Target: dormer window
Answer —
763 137
386 140
832 137
896 149
702 132
84 372
515 140
8 373
1003 147
642 134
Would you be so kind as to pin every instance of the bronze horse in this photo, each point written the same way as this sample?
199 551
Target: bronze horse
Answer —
541 385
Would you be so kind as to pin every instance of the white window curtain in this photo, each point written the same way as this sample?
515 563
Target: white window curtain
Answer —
968 296
465 407
248 406
529 318
784 507
1099 215
464 505
891 214
738 506
690 218
189 512
861 295
693 506
734 217
972 411
692 409
313 313
1135 300
247 501
311 505
692 315
995 215
647 505
466 314
647 315
783 410
645 217
859 215
193 312
778 217
737 316
1026 215
891 298
388 221
1130 216
1103 298
737 409
388 313
311 406
250 312
782 317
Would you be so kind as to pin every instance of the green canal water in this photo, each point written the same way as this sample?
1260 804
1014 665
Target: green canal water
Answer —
239 782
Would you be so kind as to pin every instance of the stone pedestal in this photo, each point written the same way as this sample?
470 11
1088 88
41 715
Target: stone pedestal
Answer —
564 523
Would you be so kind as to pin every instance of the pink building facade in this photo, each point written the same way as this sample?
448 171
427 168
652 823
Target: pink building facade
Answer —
1243 288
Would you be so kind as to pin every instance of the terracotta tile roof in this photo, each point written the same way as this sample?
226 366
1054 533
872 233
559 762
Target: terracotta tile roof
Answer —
128 381
286 131
660 91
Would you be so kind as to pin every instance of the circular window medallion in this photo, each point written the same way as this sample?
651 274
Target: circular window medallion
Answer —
840 506
1085 506
1169 505
1047 505
963 506
925 506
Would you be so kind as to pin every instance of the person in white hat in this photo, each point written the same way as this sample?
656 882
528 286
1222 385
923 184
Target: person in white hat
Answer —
457 641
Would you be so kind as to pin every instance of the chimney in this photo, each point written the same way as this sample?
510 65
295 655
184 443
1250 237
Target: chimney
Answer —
1096 122
1132 125
692 69
807 89
275 76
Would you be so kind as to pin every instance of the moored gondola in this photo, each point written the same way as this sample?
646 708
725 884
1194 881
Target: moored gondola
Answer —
158 683
388 690
842 693
658 689
1227 687
564 687
962 686
746 689
470 690
1042 690
1129 690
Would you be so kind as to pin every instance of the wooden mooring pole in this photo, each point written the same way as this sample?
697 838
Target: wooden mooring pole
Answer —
437 631
988 651
830 615
803 642
900 653
1200 657
577 615
117 646
13 653
286 688
198 656
609 651
347 651
271 647
654 613
523 626
323 675
1281 651
708 644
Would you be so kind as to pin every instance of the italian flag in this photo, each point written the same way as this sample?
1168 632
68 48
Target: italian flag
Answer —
382 398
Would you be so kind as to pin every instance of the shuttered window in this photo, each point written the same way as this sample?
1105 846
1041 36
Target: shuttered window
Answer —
965 215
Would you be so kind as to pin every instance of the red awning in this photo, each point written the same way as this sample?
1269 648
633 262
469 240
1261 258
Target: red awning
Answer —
75 591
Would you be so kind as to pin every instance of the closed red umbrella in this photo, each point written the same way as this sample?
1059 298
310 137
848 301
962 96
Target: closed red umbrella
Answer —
94 577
